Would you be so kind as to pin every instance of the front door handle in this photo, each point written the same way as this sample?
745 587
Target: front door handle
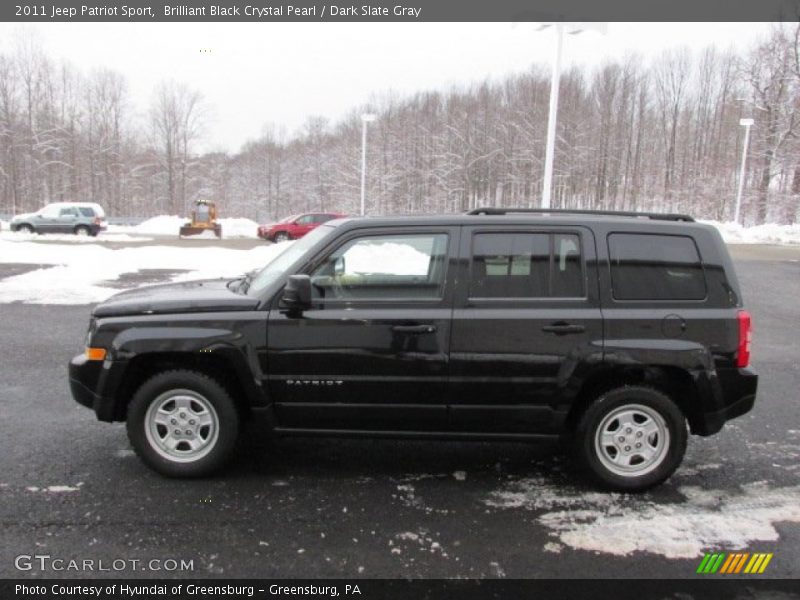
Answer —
563 328
414 329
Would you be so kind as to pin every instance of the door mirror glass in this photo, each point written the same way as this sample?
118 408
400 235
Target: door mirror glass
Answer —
296 295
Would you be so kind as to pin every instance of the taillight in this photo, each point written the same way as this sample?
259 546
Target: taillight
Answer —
97 220
745 337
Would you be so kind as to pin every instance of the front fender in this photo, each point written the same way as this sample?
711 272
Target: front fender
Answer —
185 346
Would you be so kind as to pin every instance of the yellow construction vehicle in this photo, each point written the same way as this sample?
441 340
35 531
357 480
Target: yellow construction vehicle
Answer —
204 218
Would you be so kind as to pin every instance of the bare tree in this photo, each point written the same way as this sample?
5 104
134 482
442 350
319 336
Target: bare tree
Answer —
177 116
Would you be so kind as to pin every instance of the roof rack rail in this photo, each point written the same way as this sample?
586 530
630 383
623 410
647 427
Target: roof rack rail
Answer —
568 211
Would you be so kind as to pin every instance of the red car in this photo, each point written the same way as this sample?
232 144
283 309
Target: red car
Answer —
295 226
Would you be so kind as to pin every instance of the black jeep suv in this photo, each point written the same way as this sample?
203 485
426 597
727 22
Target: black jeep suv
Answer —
612 330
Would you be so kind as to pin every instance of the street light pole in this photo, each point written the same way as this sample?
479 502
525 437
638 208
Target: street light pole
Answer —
550 148
746 123
365 118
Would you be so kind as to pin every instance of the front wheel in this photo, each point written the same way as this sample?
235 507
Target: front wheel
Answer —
281 236
25 228
631 438
183 424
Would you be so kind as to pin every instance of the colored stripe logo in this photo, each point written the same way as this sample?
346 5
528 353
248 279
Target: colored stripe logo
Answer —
734 563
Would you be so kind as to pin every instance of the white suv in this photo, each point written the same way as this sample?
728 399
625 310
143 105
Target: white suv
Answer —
80 218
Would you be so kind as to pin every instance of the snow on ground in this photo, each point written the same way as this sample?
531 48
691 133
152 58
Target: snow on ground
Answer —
71 238
232 227
621 524
769 233
81 274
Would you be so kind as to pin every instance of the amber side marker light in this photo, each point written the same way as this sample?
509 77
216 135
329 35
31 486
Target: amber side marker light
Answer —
95 353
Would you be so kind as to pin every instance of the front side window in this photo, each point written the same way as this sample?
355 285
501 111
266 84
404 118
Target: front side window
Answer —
655 267
306 220
384 267
526 265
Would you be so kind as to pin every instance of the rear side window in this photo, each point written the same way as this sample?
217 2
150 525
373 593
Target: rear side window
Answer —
86 211
655 267
526 265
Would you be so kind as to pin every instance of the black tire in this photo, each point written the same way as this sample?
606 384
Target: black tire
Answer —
25 228
154 390
82 230
595 457
282 236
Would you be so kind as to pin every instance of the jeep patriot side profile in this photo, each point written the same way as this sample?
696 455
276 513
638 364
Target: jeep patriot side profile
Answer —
615 331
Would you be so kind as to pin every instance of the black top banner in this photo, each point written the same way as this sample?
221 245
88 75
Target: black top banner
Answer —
399 10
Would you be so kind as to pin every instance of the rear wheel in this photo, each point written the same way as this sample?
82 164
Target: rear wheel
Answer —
183 424
82 231
281 236
631 438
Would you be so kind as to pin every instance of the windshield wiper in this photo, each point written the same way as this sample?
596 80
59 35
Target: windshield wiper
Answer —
229 285
245 285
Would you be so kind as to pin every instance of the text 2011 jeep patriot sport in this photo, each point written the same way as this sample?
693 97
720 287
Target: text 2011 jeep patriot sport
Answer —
612 330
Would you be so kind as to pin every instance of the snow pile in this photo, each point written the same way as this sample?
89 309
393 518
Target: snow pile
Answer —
82 273
169 225
620 524
769 233
238 227
161 225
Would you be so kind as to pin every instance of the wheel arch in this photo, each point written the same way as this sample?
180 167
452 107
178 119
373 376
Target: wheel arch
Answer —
675 382
216 365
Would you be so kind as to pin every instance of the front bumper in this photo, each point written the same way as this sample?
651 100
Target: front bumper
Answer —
84 381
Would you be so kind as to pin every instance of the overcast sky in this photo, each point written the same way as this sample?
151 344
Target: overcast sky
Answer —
282 73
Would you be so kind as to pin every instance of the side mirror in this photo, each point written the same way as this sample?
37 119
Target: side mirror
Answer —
296 295
339 266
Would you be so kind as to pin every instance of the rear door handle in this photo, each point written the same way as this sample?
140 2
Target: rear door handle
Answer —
562 328
414 329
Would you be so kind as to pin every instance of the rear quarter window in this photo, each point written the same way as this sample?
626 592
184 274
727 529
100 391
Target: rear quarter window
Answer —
655 267
86 211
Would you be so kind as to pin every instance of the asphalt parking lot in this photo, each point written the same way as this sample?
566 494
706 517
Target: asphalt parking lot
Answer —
70 486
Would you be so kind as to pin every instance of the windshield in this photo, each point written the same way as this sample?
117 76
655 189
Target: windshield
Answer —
277 268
